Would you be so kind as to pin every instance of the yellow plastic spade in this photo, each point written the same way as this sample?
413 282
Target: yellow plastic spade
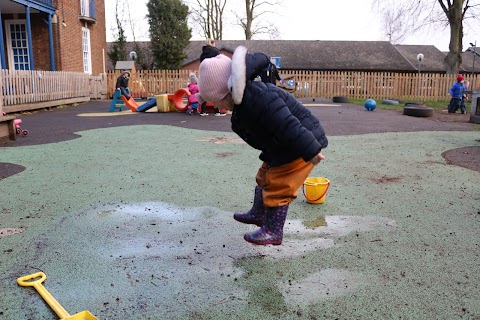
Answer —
28 281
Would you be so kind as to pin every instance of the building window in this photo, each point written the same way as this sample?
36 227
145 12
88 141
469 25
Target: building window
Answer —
87 8
17 45
87 55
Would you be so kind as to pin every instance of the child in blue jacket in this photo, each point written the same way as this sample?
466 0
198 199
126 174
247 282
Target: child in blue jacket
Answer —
456 91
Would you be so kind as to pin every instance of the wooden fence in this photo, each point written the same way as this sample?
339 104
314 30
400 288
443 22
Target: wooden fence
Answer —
27 90
98 86
315 84
146 83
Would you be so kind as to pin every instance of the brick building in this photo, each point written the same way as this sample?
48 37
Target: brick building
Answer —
53 35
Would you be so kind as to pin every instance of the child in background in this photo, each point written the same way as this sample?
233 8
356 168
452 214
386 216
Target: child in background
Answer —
273 121
270 74
209 51
192 99
219 113
456 91
122 84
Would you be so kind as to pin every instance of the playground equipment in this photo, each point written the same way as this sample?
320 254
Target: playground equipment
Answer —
29 281
131 103
167 102
288 84
315 189
18 129
370 104
147 105
116 103
177 101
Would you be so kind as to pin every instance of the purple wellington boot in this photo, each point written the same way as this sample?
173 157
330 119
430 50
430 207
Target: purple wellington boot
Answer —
271 231
256 214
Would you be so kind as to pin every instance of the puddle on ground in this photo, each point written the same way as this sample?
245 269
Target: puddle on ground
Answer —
5 232
190 253
322 285
294 248
300 239
317 222
206 228
340 226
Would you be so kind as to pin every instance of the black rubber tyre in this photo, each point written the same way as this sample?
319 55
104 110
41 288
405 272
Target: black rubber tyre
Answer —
389 102
340 99
417 111
414 103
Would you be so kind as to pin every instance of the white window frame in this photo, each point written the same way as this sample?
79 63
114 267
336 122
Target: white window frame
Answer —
11 60
86 51
85 8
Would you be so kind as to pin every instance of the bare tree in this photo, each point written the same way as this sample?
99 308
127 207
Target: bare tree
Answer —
117 50
208 15
421 14
455 13
256 17
395 28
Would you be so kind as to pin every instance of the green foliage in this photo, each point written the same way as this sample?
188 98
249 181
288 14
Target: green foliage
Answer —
169 32
118 50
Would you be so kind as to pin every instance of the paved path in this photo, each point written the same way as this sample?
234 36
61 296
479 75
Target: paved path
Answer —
130 217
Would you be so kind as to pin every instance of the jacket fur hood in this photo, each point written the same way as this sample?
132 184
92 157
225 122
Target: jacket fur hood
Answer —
245 67
237 81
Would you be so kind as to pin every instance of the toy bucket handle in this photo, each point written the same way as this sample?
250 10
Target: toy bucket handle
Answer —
37 284
26 280
314 184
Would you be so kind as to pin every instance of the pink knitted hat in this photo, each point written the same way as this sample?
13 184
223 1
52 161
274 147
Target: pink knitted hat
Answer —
213 78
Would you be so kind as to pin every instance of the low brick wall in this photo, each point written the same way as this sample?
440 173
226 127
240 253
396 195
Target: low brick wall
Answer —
7 128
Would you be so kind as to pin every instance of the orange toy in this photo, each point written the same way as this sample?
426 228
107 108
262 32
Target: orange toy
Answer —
131 103
177 99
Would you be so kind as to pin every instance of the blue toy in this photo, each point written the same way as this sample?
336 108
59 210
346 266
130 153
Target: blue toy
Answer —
370 105
117 103
147 105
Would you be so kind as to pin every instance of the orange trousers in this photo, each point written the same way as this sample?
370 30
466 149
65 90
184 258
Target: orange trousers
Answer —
280 184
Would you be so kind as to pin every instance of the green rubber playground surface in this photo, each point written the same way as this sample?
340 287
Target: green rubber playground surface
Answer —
135 222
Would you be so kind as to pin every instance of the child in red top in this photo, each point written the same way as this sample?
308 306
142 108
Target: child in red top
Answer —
192 99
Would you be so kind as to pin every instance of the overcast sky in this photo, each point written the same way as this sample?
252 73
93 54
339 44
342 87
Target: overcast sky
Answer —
304 20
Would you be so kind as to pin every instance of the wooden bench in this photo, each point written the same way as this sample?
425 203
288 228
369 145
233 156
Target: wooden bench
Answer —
7 127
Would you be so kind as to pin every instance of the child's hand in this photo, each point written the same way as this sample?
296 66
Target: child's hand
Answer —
317 158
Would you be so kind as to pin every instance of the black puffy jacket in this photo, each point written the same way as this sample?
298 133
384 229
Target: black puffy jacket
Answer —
122 82
268 118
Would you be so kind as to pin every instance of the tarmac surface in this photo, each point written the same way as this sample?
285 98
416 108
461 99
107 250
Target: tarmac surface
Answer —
130 217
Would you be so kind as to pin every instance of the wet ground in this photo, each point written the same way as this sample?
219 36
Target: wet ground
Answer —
130 216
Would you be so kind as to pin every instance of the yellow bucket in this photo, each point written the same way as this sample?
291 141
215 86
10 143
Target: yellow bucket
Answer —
315 189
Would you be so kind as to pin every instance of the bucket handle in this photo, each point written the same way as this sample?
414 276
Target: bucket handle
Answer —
29 281
313 184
